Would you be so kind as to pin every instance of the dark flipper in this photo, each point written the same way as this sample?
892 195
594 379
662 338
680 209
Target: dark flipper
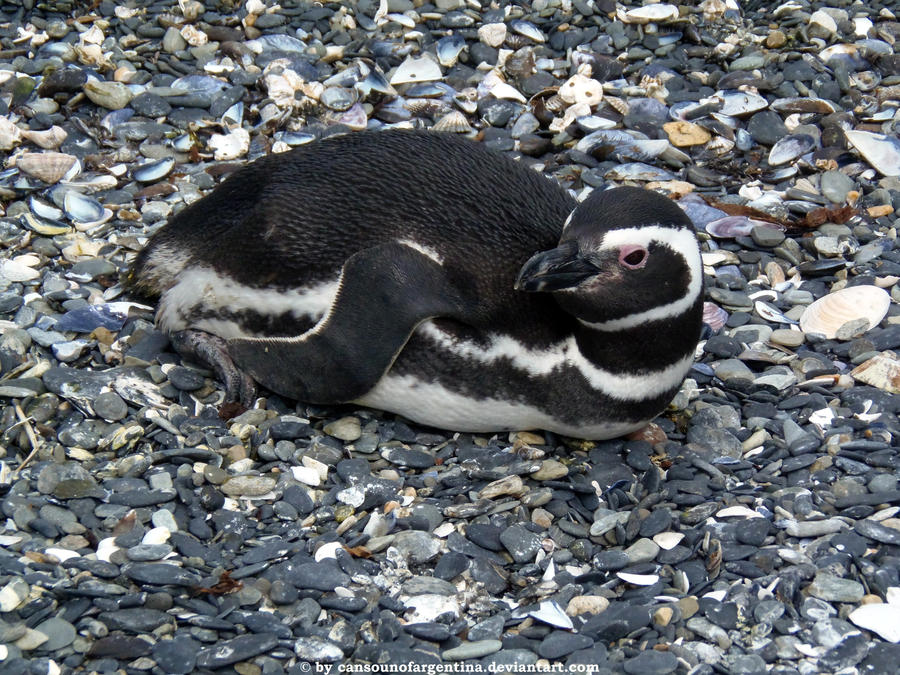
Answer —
384 293
213 351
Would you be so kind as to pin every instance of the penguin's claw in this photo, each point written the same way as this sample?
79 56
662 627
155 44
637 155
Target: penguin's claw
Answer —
212 350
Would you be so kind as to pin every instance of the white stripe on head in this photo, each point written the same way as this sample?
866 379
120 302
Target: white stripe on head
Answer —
680 240
538 363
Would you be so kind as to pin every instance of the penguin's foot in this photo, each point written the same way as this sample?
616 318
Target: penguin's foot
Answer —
212 351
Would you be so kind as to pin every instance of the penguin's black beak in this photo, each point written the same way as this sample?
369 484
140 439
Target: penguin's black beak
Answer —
562 267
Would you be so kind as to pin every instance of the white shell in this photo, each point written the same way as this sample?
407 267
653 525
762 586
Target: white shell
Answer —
740 102
423 69
49 139
230 146
19 268
10 134
880 150
667 540
738 510
832 311
638 579
880 371
649 13
492 34
879 618
581 89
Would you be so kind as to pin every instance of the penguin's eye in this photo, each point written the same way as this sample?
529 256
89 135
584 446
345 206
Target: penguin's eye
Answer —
633 257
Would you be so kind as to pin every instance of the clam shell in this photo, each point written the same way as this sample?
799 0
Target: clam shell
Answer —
827 314
880 371
880 150
422 69
50 167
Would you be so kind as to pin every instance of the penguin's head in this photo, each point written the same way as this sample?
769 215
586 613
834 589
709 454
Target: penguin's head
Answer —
627 256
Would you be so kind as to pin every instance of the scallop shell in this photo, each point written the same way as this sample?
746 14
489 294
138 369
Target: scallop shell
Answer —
50 167
827 314
453 122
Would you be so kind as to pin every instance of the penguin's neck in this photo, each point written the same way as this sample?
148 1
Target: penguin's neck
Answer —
643 348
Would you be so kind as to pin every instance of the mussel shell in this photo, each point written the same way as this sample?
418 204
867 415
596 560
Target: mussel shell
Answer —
152 171
82 208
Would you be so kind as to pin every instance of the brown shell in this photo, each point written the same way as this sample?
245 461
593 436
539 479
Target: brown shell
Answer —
49 167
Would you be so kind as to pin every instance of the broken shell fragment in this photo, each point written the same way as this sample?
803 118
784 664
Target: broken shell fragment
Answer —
880 371
581 89
422 69
827 314
492 34
648 14
790 148
879 150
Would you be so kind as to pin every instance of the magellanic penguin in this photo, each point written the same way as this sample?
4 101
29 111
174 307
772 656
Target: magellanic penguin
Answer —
425 275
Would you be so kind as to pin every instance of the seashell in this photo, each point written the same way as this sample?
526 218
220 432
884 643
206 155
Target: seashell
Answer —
527 29
448 49
642 149
277 43
422 69
234 115
730 227
581 89
638 171
879 150
49 139
651 13
737 103
50 167
453 122
769 313
338 98
199 84
10 134
803 105
375 81
81 208
110 95
44 227
492 34
714 316
150 172
668 540
791 147
44 210
880 618
494 84
551 613
827 314
355 117
232 145
294 138
880 371
738 510
20 268
603 137
638 579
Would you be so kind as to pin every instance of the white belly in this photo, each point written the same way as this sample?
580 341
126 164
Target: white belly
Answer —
436 406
